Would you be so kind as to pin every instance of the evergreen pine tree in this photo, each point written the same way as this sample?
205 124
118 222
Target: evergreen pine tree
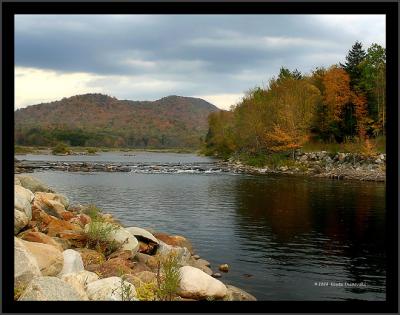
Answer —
352 66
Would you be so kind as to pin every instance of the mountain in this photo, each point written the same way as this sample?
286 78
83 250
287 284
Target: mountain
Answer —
101 120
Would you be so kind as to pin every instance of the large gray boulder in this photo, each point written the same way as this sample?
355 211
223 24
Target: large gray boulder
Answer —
111 289
236 294
196 284
49 289
182 253
20 221
32 183
72 262
25 265
22 200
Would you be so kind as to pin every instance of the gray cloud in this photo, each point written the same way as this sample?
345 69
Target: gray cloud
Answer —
201 54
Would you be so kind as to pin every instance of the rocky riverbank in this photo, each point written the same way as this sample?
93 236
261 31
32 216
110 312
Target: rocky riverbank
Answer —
350 166
76 252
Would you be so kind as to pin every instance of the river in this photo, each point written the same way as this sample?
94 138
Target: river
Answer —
285 238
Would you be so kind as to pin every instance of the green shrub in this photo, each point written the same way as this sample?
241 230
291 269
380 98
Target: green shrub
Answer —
93 212
98 236
22 150
91 151
61 148
168 277
147 291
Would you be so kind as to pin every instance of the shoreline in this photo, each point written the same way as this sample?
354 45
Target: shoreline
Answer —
120 264
339 166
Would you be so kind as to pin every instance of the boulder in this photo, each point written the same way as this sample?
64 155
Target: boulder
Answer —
79 281
112 267
25 265
72 262
142 234
196 284
66 215
201 264
49 289
147 248
124 254
182 253
49 258
50 203
81 219
236 294
175 240
90 256
57 227
146 276
119 235
224 267
133 279
111 289
20 221
140 257
65 244
22 200
38 237
59 198
32 183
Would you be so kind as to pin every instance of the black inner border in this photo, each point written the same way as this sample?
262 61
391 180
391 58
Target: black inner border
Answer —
390 9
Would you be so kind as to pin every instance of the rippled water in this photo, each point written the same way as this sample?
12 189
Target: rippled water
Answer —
280 235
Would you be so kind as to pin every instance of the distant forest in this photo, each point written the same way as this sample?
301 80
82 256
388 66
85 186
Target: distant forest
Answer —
345 103
96 120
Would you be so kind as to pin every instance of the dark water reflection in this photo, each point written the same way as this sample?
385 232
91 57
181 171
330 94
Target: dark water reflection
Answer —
280 235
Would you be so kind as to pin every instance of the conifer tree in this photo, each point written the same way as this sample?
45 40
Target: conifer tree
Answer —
354 59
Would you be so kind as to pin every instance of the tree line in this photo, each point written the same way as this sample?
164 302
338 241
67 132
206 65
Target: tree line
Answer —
343 103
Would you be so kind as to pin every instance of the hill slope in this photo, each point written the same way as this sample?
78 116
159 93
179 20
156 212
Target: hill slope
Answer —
101 120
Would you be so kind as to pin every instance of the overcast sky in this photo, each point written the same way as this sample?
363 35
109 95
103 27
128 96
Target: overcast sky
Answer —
146 57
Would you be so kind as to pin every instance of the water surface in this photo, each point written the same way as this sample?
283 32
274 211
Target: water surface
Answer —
283 237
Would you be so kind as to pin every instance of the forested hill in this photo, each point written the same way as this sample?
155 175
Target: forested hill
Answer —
101 120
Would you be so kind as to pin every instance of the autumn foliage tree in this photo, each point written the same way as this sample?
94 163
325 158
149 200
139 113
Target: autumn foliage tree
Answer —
330 105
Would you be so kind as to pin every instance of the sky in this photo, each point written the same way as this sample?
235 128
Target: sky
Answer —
147 57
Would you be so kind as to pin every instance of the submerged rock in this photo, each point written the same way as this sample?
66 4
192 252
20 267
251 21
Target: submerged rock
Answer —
224 267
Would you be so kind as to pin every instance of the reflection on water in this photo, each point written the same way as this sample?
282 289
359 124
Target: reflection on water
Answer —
280 235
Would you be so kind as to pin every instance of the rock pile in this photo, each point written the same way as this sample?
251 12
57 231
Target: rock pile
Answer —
323 164
67 252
